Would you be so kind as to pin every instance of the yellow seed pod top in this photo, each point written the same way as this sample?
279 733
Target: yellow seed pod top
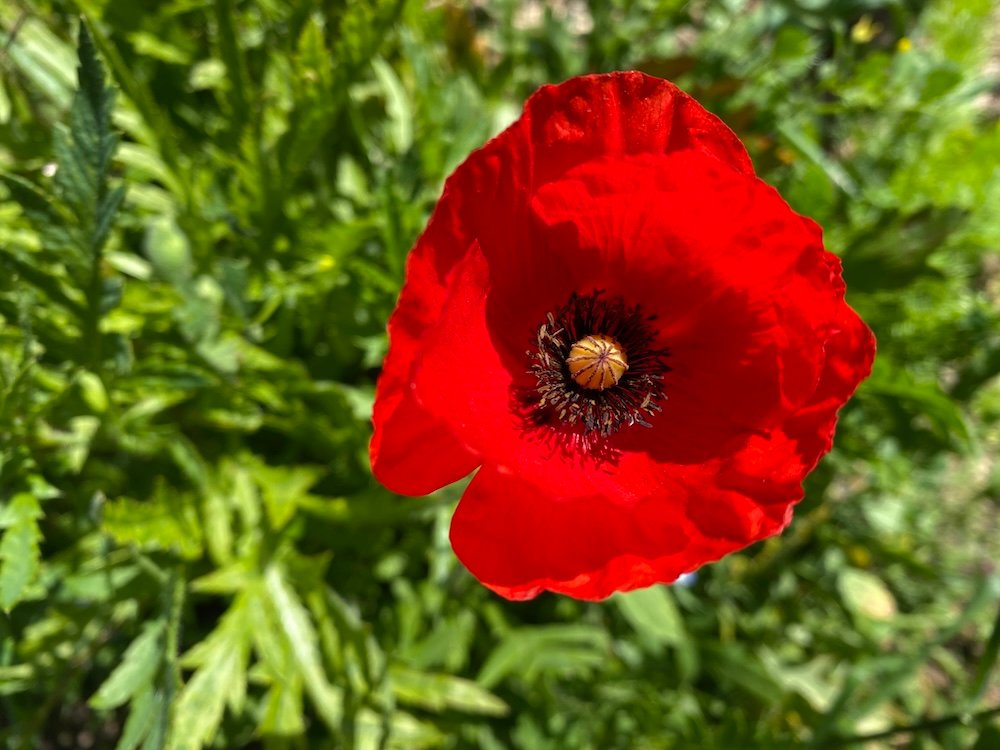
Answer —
597 362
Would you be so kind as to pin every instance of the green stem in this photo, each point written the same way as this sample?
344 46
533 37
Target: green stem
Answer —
175 592
965 719
92 323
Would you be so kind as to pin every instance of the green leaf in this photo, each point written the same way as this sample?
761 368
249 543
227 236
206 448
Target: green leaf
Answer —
987 664
282 709
398 105
989 738
561 649
145 707
107 212
52 286
18 548
56 227
732 664
169 250
220 679
300 634
42 57
84 150
811 150
282 488
923 398
441 692
137 670
653 613
162 523
866 594
655 617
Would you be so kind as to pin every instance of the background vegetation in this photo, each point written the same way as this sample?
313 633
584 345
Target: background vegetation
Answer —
194 282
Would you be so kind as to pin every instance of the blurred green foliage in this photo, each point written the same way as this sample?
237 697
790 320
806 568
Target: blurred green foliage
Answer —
199 253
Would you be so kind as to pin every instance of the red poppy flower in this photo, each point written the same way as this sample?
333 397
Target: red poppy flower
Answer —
637 342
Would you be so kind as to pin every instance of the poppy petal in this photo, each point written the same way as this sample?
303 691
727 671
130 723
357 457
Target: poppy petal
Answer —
617 185
519 540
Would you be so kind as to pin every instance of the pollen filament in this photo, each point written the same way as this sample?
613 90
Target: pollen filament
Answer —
597 362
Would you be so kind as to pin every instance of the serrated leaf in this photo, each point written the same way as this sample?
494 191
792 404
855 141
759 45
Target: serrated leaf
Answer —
83 150
301 636
19 549
282 487
57 229
402 731
442 692
145 707
51 285
107 211
562 649
168 524
220 679
218 515
282 709
137 669
96 101
77 181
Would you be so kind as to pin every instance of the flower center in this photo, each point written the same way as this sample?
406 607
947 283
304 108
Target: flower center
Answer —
598 369
597 362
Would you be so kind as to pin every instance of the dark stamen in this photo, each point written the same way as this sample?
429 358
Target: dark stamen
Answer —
589 415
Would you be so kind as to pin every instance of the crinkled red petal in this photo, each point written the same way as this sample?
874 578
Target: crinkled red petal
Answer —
486 200
624 184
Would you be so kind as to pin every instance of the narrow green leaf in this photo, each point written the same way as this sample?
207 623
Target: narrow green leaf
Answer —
52 221
733 664
76 179
923 397
19 549
987 664
232 57
811 150
301 635
137 670
49 284
401 731
282 708
220 679
561 649
398 105
107 211
142 713
42 58
441 692
654 615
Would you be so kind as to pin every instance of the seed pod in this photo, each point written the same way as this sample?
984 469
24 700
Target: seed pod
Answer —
597 362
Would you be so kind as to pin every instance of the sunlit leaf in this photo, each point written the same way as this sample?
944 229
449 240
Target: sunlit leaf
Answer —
136 672
18 548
